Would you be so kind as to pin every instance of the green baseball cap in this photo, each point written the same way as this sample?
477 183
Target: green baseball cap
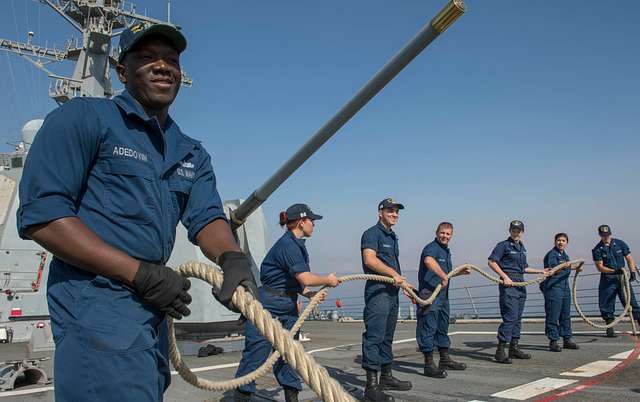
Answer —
136 32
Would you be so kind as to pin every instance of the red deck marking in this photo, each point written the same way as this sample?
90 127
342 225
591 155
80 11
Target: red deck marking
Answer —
598 379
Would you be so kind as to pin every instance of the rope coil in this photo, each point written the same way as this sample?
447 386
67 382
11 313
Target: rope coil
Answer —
312 373
626 288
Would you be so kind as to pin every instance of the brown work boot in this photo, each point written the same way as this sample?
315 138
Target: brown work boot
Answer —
515 352
611 333
390 383
372 392
501 354
430 369
290 394
569 344
447 363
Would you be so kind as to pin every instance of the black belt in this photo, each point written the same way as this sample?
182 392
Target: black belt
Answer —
281 293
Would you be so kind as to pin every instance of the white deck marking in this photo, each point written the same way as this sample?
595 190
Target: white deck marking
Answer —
231 365
592 369
622 355
526 391
25 392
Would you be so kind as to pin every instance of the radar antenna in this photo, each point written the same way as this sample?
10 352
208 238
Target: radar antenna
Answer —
98 21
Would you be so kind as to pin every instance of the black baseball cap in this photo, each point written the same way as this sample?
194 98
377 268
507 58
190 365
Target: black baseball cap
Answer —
299 211
604 230
131 36
516 225
389 203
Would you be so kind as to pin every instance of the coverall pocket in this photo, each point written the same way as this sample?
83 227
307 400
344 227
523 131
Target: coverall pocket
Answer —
127 191
111 321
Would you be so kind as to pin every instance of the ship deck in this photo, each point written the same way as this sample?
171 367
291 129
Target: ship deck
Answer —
603 369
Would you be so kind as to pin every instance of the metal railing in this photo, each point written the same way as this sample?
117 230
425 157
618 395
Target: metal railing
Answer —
476 301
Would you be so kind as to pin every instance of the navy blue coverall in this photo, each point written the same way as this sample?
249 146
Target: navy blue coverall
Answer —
433 321
511 256
380 300
129 181
612 256
557 297
279 295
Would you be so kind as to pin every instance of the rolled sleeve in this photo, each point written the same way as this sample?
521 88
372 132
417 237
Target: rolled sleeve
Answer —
58 164
596 254
369 240
497 253
625 248
295 261
431 251
550 260
204 205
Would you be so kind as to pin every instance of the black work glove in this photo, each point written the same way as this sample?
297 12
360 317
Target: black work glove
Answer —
632 276
163 288
237 271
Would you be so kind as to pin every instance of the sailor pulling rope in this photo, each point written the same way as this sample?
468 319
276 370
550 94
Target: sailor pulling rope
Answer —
311 372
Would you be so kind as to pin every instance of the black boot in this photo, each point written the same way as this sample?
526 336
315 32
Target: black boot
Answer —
569 344
430 369
241 396
515 352
554 347
371 391
290 394
501 354
610 332
389 382
446 362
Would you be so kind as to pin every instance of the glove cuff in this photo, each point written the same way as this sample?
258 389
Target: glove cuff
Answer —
140 278
229 255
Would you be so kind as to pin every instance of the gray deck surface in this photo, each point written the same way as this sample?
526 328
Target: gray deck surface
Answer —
474 344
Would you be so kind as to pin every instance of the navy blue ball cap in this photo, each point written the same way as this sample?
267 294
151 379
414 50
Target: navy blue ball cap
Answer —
516 224
131 36
389 203
604 230
299 211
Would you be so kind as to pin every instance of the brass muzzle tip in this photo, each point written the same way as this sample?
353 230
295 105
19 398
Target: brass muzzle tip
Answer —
448 15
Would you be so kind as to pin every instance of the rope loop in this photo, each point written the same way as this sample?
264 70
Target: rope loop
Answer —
312 373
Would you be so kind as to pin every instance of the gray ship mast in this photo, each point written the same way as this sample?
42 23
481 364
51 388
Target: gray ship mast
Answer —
99 21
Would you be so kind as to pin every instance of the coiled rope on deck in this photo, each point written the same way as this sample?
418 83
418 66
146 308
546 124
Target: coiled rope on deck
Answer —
626 288
284 344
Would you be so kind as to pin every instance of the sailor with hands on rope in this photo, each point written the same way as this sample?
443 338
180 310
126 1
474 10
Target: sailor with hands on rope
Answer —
379 248
557 296
610 256
284 274
509 260
104 186
433 320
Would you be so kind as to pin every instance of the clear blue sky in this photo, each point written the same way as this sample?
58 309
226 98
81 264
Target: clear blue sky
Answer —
521 109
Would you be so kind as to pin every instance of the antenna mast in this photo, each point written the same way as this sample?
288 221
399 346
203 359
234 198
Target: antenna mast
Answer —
98 21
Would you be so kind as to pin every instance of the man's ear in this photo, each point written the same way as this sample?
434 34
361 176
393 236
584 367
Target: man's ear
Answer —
121 73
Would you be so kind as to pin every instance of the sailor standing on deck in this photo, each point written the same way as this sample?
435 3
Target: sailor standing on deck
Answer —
609 256
379 247
557 296
433 321
104 186
509 260
284 274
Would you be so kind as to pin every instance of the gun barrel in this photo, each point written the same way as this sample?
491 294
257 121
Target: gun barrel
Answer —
447 16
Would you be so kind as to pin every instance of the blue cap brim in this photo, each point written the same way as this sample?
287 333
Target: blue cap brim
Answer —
173 36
